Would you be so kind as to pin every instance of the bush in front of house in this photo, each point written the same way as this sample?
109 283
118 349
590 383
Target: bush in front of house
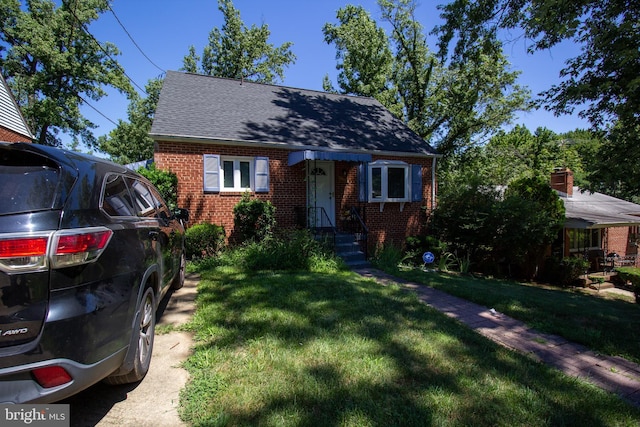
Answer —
500 232
565 272
204 240
288 250
165 181
253 219
630 275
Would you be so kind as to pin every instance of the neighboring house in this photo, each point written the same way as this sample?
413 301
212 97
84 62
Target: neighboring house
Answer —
13 127
597 224
313 155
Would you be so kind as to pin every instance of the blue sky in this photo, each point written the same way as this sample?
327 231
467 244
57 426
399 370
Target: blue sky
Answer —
164 30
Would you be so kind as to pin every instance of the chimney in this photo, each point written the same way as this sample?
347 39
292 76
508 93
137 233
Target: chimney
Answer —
562 181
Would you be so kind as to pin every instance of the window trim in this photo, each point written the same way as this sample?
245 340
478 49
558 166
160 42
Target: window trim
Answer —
213 174
385 165
577 246
237 178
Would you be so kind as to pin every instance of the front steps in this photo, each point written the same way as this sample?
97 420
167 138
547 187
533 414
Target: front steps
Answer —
347 248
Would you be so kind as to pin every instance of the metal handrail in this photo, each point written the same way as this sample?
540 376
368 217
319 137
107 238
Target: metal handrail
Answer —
325 226
324 223
361 231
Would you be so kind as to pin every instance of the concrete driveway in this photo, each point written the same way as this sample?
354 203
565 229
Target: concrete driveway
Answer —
153 401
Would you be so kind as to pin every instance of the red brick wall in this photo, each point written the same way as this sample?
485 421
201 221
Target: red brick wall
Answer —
616 239
287 190
562 181
286 185
391 226
11 136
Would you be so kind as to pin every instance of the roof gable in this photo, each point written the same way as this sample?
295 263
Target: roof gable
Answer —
210 108
10 116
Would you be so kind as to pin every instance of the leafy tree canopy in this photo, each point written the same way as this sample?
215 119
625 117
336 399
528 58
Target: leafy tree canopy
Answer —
130 142
603 79
520 154
236 51
616 170
501 233
53 65
450 104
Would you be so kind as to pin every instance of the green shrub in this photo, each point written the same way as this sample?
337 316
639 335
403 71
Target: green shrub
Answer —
253 219
416 246
165 181
629 275
464 263
388 257
446 261
289 250
563 272
204 240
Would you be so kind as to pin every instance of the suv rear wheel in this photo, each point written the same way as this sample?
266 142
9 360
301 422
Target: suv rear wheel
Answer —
145 333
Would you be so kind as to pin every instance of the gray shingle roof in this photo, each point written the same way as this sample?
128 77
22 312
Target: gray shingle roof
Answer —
10 115
597 210
201 107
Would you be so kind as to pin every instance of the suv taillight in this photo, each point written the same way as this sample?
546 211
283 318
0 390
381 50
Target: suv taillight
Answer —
65 248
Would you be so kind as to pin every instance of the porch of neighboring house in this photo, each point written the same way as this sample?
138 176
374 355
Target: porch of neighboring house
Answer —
606 249
601 228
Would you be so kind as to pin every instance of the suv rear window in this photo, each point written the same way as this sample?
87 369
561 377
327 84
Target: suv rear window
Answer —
28 183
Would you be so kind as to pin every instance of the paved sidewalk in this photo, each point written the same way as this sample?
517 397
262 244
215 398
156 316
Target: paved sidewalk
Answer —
613 374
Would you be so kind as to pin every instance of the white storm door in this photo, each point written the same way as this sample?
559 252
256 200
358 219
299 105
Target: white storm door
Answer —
321 194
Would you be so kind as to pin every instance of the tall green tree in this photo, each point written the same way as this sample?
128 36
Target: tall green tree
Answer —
617 169
365 68
601 83
129 141
505 234
450 104
236 51
602 79
53 65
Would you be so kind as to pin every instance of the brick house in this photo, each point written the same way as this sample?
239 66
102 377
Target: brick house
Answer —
597 224
13 126
325 161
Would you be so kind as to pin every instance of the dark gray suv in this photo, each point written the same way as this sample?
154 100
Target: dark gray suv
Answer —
88 248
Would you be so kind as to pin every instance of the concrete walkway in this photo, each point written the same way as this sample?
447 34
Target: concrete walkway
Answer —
613 374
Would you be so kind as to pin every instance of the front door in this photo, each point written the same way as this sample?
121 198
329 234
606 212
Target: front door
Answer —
321 194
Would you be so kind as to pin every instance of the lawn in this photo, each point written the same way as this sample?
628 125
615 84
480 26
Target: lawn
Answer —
329 349
608 326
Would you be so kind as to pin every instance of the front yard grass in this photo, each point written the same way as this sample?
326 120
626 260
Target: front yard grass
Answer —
318 349
608 326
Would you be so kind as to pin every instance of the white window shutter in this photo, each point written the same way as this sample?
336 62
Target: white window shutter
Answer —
212 173
262 174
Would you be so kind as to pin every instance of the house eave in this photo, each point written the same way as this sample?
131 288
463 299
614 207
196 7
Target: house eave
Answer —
283 146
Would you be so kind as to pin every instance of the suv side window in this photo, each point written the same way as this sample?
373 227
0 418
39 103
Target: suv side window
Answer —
163 210
116 200
144 203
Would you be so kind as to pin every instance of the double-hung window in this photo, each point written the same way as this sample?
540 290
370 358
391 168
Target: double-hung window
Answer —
236 174
233 174
389 181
